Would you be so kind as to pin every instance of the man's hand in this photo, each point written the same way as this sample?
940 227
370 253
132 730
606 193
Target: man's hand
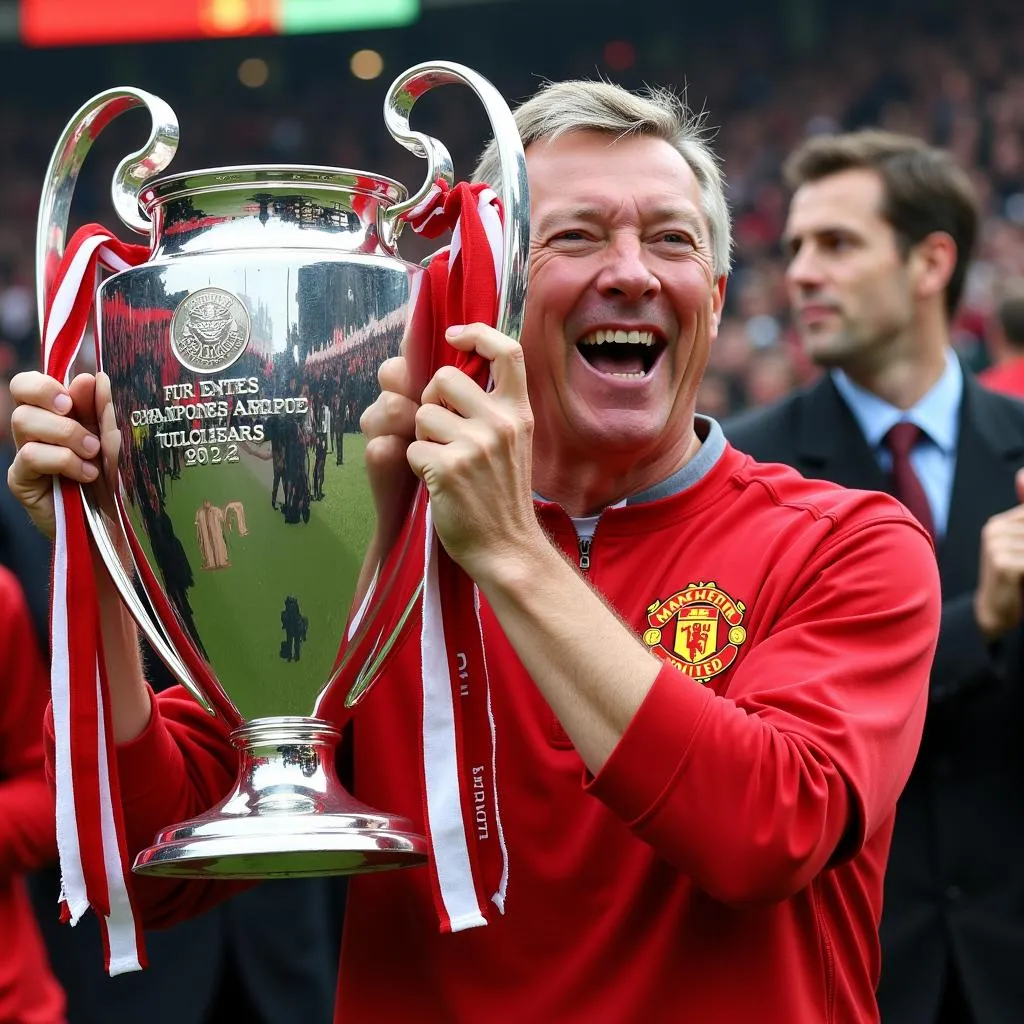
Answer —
70 432
473 450
389 426
60 431
998 601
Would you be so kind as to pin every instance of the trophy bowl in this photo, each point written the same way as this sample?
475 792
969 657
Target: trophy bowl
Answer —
240 355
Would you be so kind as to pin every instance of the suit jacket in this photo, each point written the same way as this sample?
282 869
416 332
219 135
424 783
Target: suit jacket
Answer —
954 890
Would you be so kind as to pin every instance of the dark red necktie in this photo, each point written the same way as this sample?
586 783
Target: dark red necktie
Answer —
905 482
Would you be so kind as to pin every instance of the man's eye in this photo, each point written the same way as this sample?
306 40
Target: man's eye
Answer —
569 236
836 243
676 238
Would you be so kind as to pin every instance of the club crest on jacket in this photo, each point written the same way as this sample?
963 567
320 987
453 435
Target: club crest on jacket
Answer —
698 629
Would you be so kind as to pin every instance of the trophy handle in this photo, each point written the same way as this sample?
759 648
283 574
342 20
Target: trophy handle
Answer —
131 173
404 92
145 621
51 238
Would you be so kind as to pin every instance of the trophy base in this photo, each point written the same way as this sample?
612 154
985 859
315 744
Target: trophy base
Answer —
287 817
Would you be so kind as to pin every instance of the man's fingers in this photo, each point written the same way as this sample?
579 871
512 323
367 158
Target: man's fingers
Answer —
508 367
32 424
395 375
41 390
391 413
36 461
1011 518
439 424
422 458
453 389
83 395
391 480
104 403
110 436
383 454
1002 554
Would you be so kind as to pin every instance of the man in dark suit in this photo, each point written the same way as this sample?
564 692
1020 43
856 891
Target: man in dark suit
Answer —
879 234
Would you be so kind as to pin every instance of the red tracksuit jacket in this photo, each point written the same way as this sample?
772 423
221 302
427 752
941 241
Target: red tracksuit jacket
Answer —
726 864
29 994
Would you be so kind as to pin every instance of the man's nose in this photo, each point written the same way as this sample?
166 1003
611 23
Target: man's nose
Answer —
626 271
804 271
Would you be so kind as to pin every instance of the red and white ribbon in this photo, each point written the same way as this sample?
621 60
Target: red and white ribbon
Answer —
90 829
462 812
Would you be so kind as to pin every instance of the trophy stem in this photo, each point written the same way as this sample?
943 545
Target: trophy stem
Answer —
287 816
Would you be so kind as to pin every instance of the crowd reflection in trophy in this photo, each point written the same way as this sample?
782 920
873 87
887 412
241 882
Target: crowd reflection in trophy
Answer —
339 382
333 379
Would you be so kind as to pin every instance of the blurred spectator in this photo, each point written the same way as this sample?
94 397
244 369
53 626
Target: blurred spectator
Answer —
29 994
1006 345
950 76
769 377
17 314
713 398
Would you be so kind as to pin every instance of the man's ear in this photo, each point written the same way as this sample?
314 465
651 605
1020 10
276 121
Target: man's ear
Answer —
717 304
932 263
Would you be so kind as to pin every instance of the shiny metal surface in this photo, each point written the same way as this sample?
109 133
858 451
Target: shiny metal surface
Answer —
513 187
287 816
231 208
139 611
131 173
246 486
241 356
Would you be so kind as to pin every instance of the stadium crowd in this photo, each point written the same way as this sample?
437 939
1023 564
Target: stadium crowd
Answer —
954 80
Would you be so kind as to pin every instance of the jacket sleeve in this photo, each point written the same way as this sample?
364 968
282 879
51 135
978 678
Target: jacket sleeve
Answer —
180 766
27 830
754 790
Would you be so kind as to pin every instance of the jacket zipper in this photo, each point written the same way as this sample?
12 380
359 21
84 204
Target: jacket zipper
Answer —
584 546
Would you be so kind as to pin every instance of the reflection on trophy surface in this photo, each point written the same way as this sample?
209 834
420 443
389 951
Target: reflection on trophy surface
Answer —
240 357
222 407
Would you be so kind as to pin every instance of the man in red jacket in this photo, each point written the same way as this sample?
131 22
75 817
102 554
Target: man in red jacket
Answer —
29 994
708 675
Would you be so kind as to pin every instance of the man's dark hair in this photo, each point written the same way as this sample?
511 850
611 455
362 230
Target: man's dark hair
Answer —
1010 314
924 189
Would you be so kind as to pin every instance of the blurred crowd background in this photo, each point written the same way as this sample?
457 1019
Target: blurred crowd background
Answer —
767 75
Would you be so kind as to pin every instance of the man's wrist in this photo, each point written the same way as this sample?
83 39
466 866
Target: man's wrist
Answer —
519 567
991 626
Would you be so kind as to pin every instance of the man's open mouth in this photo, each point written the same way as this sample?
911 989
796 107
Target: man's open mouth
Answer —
621 353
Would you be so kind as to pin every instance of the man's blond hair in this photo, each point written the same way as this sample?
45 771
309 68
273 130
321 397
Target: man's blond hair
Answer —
563 107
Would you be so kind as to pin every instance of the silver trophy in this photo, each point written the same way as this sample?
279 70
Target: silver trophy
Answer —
241 355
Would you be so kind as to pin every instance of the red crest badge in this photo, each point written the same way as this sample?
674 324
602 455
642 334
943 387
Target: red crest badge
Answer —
699 630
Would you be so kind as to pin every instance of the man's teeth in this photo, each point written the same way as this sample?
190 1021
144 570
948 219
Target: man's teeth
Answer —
605 337
615 337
